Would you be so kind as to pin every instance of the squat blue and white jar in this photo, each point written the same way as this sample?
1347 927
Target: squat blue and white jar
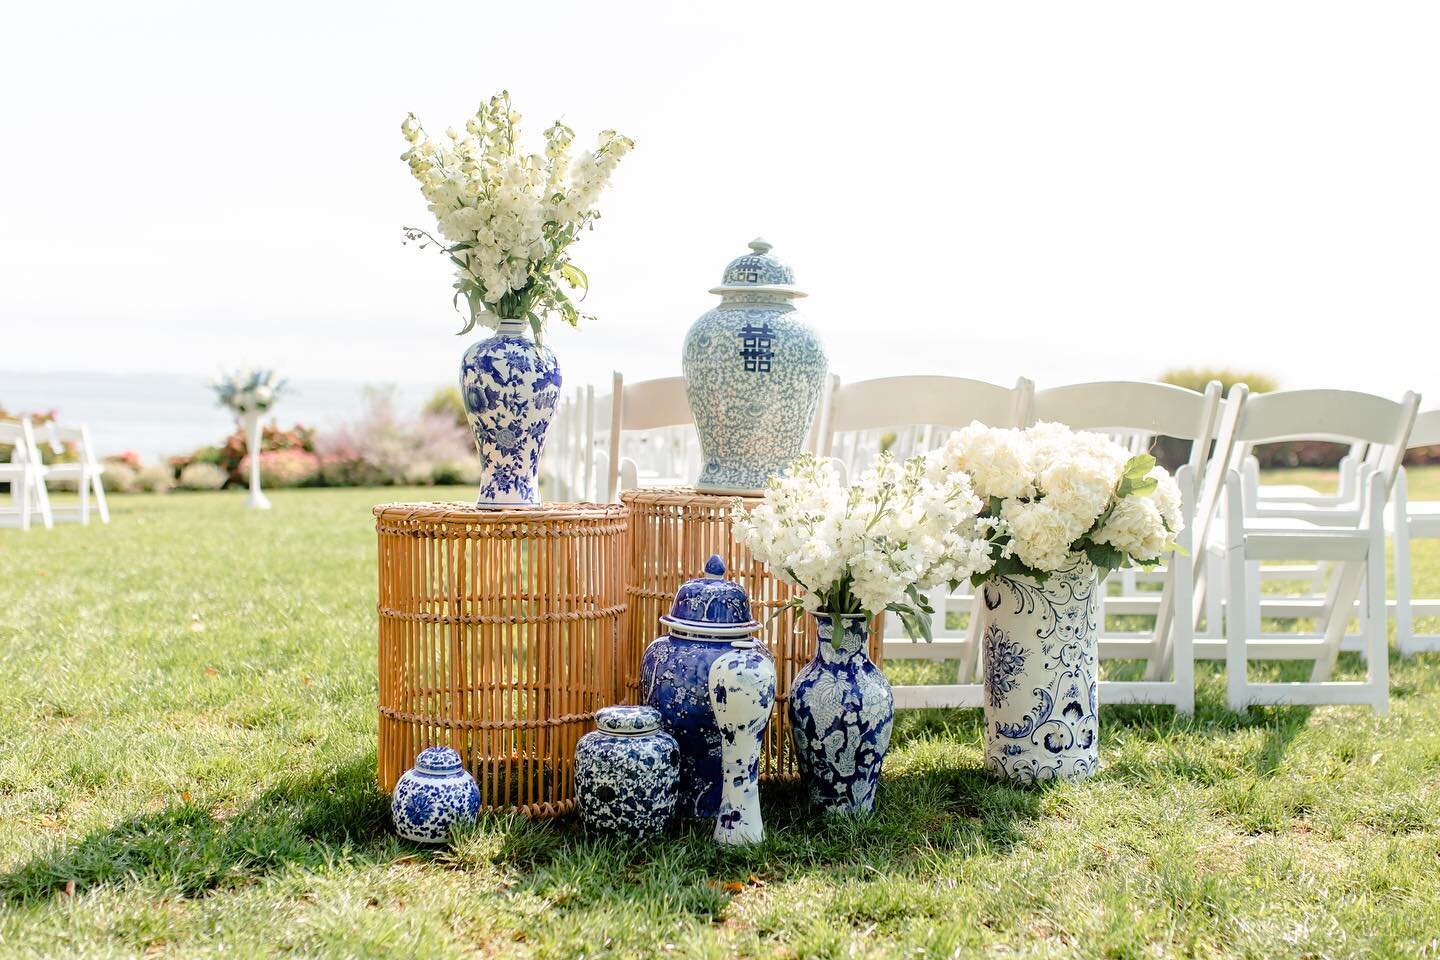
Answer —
841 714
433 796
627 773
754 371
710 614
510 386
1039 652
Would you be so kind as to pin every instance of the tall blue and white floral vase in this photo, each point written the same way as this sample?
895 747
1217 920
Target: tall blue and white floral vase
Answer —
433 796
1038 650
841 714
510 386
710 614
754 371
627 773
742 694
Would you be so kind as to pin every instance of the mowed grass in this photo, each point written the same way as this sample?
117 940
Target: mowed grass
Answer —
187 752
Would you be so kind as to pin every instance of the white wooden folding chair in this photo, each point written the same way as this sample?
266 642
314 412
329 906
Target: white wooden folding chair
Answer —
1358 551
1414 520
921 411
1142 408
25 473
651 437
85 472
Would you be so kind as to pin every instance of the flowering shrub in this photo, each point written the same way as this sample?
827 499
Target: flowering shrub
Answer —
1051 493
508 217
872 546
155 478
381 447
285 468
202 476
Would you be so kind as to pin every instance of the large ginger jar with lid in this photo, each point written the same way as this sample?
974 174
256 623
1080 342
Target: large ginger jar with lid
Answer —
710 619
754 371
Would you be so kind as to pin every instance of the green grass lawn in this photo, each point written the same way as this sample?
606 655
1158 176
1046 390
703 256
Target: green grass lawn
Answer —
187 754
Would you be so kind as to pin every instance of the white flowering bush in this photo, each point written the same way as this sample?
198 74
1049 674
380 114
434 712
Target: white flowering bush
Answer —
1052 493
507 218
248 391
876 545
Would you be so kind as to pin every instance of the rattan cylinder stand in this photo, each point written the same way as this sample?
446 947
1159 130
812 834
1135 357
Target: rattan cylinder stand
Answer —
500 634
673 530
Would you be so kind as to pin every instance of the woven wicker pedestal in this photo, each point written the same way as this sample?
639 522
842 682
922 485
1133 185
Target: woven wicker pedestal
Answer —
672 533
499 636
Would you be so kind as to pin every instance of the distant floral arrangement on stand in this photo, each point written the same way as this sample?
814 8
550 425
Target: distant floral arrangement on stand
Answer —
248 391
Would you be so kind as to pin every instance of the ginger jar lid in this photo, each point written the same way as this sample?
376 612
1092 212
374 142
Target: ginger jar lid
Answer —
438 761
758 273
711 606
627 719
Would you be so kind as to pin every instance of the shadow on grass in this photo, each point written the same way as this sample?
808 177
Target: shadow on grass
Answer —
187 851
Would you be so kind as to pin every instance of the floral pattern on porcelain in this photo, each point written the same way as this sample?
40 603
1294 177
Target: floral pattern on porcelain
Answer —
510 386
754 371
842 712
433 796
710 603
1054 629
627 773
742 694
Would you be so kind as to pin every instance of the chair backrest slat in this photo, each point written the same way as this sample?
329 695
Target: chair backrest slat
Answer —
1426 432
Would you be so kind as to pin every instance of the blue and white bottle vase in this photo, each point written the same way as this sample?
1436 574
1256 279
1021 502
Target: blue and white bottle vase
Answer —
433 796
742 694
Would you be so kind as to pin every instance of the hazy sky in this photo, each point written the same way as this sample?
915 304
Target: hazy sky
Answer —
1068 191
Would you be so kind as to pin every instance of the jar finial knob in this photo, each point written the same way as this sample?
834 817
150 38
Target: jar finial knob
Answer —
714 567
760 245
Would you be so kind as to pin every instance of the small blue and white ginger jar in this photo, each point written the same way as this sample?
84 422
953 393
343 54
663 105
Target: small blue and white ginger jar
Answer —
433 796
754 371
627 773
710 618
510 386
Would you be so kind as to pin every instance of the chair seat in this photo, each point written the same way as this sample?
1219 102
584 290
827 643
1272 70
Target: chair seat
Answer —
65 471
1291 491
1282 538
1347 515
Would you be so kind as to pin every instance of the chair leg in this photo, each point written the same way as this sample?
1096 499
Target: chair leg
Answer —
970 659
1237 620
83 488
1377 633
22 484
1404 588
1253 623
97 482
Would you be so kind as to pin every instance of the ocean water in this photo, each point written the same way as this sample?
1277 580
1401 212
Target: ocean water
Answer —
160 415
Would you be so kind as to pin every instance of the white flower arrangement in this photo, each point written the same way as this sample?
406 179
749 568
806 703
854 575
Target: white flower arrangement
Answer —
1052 493
248 391
873 546
509 217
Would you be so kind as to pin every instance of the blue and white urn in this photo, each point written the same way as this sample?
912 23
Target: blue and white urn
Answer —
433 796
742 694
710 617
841 713
1038 651
627 773
510 386
754 371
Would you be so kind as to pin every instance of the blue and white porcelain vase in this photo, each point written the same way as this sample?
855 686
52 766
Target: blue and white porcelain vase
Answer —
754 371
841 713
627 773
710 614
1038 649
510 386
742 694
433 796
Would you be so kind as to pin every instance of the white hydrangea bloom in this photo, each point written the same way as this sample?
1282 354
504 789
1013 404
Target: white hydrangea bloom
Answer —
1135 528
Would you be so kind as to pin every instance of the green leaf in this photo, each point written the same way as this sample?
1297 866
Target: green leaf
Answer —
1138 466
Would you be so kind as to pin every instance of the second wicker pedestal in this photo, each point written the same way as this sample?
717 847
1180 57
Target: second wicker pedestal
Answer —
673 531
